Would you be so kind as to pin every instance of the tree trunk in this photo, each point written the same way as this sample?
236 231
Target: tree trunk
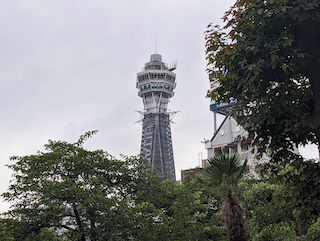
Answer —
314 77
78 220
93 227
233 218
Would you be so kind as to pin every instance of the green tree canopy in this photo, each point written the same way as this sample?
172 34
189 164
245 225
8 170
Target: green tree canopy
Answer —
69 193
300 195
79 193
267 57
265 218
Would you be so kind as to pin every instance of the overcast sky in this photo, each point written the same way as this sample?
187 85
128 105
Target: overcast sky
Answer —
69 66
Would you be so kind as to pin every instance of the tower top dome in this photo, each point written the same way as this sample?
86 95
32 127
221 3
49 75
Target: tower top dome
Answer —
156 57
155 63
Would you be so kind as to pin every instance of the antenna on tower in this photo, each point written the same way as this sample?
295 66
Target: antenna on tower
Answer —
155 45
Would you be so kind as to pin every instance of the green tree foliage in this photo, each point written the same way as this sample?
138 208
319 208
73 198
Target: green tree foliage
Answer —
188 211
46 234
284 207
7 230
266 219
270 51
267 57
300 195
314 231
79 193
70 193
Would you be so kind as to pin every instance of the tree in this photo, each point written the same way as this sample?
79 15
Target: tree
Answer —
186 211
267 57
225 170
265 217
225 165
300 195
80 194
70 193
285 205
7 230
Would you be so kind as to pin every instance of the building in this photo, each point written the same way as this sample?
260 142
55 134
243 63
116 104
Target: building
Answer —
232 137
156 84
229 136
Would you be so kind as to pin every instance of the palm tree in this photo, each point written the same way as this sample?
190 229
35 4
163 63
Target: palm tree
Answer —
224 165
228 167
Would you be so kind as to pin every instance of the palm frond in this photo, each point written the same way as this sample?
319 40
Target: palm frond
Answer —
225 164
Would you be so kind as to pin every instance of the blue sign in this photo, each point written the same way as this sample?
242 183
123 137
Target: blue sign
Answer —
215 106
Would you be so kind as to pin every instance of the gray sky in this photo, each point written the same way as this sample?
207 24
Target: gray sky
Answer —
69 66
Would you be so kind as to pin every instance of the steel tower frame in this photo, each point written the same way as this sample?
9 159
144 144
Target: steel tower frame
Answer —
156 83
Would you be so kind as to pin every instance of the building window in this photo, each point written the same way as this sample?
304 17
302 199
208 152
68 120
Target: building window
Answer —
217 151
244 147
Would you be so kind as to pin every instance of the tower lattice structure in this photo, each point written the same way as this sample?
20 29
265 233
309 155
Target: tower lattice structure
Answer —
156 83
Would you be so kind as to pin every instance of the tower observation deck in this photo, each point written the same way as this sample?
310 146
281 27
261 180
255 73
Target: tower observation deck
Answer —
156 83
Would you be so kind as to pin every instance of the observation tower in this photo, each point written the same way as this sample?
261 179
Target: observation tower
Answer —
156 83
